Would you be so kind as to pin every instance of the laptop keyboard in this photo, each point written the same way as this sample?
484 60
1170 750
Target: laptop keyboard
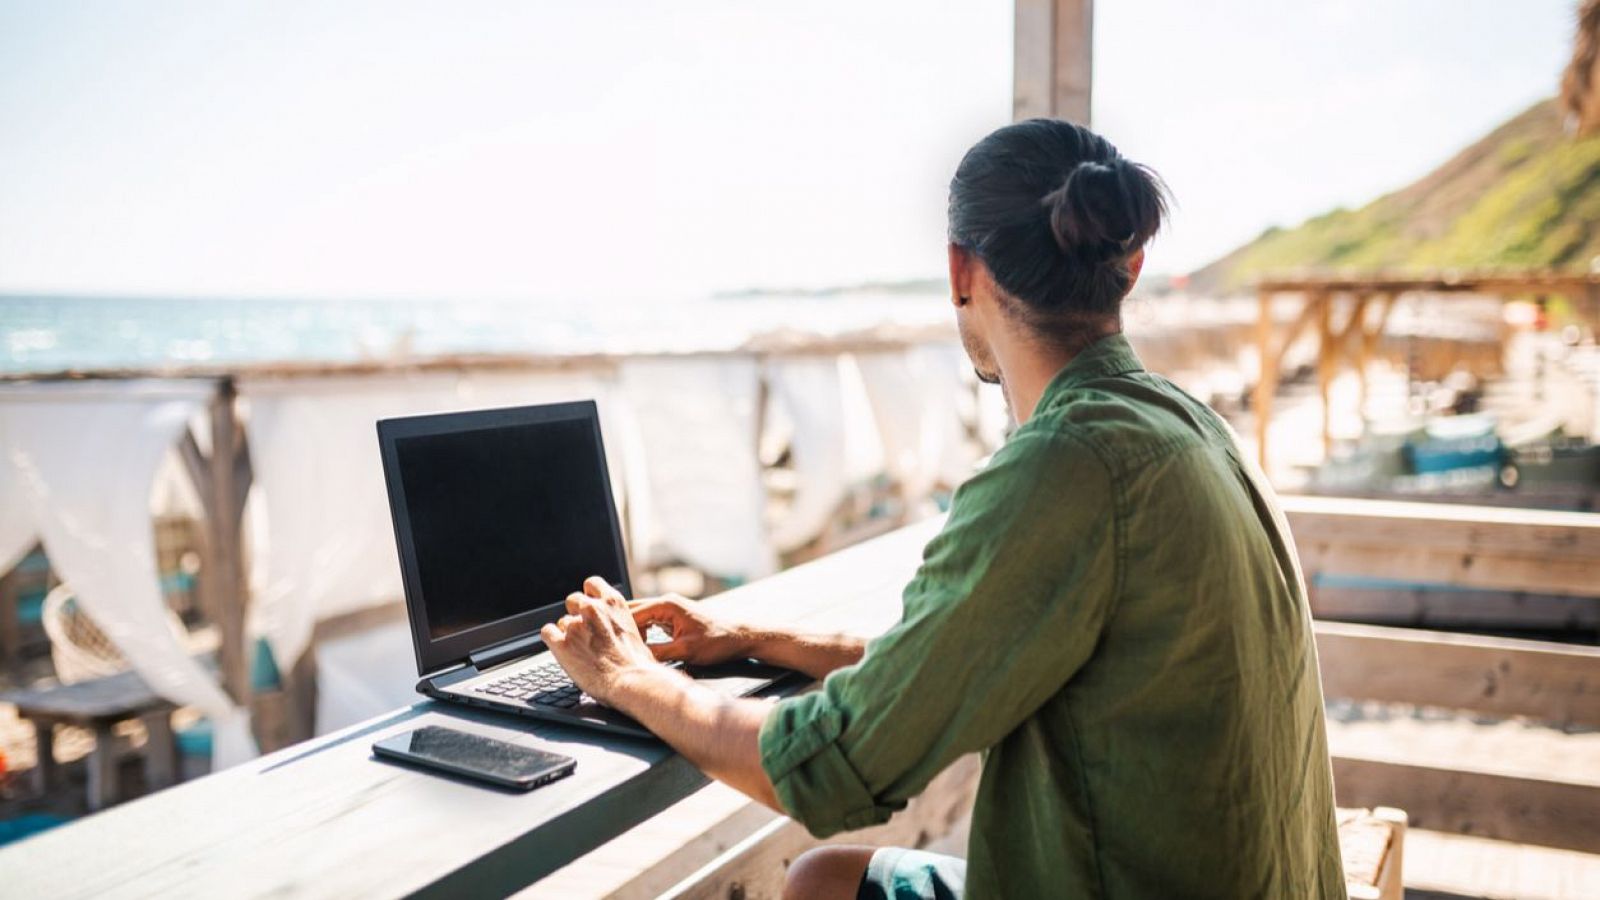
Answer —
544 683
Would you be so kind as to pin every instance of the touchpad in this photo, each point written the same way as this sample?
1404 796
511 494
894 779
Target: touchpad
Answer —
738 678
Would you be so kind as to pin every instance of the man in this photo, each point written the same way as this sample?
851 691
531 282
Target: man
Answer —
1112 613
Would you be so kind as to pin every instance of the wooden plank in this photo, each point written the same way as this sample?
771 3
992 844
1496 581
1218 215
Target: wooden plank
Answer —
1450 865
1467 546
1455 609
1554 683
1562 814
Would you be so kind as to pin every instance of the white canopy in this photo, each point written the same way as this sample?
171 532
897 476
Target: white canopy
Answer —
76 466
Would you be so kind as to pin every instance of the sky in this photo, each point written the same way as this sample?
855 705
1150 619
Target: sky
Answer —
644 150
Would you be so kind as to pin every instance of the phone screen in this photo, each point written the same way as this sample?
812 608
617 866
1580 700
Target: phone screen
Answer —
471 754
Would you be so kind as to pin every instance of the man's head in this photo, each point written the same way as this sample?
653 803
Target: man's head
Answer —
1048 224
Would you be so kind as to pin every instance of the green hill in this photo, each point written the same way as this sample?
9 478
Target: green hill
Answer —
1528 194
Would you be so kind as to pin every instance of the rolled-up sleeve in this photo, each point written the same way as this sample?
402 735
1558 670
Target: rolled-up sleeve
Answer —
1007 605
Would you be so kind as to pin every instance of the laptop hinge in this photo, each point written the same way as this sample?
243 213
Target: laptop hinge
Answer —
489 657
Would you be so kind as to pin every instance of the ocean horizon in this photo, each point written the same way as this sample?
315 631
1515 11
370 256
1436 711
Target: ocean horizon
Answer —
53 333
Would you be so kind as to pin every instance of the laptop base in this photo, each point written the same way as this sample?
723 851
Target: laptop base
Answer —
732 679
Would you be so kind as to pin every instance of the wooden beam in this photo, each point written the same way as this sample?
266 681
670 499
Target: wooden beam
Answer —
222 481
1464 801
1506 282
1468 546
1053 63
1554 683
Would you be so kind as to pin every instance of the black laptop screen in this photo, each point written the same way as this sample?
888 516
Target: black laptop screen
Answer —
506 520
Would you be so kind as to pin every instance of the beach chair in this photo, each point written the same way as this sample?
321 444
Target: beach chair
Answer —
78 648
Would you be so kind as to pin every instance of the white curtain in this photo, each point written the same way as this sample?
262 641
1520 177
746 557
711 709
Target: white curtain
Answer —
694 421
323 540
17 531
80 459
834 444
363 675
919 399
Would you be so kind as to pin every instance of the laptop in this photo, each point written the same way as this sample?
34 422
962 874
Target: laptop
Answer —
498 515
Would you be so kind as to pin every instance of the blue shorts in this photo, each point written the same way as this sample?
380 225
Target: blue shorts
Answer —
896 873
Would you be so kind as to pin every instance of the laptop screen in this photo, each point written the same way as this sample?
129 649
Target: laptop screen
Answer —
505 519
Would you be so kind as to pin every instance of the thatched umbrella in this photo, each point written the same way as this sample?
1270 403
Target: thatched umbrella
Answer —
1580 84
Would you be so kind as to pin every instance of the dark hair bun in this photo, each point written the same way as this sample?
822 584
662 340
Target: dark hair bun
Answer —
1104 210
1055 211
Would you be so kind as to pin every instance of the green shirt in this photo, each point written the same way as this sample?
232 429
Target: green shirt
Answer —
1114 614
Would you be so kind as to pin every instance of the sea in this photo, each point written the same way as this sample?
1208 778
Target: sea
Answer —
56 333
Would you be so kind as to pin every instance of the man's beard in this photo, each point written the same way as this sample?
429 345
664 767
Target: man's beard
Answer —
976 354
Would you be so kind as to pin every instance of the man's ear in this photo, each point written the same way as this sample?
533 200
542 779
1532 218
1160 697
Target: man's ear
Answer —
960 275
1135 266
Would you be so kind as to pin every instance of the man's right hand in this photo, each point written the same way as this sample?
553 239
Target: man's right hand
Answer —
697 638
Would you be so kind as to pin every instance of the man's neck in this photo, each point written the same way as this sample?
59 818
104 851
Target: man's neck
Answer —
1028 367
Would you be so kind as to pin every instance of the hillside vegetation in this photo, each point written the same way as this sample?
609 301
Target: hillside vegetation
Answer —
1528 194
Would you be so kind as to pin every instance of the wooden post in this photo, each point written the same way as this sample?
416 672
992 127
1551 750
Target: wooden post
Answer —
1054 52
1366 339
1267 377
104 786
1354 323
10 623
222 481
1325 366
160 751
46 772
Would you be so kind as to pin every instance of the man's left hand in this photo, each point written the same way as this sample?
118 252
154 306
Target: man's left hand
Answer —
597 641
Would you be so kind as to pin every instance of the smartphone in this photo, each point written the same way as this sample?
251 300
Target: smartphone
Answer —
486 759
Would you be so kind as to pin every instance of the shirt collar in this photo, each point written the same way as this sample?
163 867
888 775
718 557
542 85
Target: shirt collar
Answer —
1108 356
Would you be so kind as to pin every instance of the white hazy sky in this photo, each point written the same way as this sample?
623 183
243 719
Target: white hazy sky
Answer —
607 149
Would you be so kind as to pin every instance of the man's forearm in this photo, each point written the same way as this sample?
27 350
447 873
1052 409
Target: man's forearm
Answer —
814 654
720 735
